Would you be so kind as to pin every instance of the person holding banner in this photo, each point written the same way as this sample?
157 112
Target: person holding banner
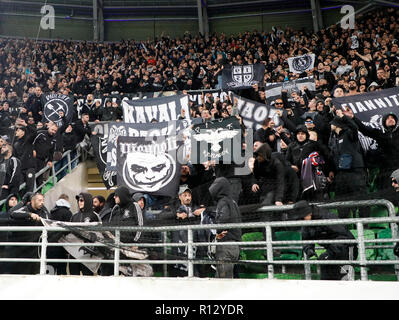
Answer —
388 141
350 181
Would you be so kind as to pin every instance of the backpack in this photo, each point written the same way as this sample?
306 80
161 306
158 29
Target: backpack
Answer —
312 177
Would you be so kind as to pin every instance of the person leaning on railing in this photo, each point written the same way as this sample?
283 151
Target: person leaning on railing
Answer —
334 251
28 212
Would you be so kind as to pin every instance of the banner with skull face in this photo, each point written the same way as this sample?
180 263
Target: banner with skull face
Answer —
117 129
54 104
301 64
370 109
149 164
242 77
156 110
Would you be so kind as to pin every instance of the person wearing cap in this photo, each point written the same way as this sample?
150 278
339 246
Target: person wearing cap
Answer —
387 139
303 211
373 86
185 214
350 181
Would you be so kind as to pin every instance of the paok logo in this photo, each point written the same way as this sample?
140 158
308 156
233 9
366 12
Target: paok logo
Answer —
302 63
48 17
348 20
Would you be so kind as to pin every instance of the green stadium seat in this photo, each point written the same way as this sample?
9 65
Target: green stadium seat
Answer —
289 254
385 253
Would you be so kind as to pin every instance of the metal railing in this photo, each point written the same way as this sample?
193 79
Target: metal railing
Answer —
52 172
270 244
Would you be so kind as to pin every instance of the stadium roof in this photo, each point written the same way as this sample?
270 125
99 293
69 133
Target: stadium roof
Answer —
115 8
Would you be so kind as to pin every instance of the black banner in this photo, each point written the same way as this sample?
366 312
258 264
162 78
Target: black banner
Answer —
117 129
273 90
242 77
99 145
156 109
253 113
149 164
370 108
53 103
215 140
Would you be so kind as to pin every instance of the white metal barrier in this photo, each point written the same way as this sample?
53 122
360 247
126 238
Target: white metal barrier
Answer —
361 243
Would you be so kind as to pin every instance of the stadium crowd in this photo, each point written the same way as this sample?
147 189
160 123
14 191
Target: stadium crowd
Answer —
348 62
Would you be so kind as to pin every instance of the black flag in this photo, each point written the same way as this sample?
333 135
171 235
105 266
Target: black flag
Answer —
149 164
53 103
99 144
215 140
370 108
117 129
242 77
156 109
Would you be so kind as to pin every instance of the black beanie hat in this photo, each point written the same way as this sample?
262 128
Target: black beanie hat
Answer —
301 210
338 122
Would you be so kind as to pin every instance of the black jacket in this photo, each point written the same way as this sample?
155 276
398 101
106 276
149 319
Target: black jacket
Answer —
12 174
23 148
387 139
328 232
44 145
80 129
299 151
86 214
112 114
269 173
61 211
20 216
227 210
126 213
347 143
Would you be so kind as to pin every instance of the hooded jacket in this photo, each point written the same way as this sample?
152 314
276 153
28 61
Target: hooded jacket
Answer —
5 219
346 143
86 214
387 139
126 213
61 211
227 210
270 174
298 151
